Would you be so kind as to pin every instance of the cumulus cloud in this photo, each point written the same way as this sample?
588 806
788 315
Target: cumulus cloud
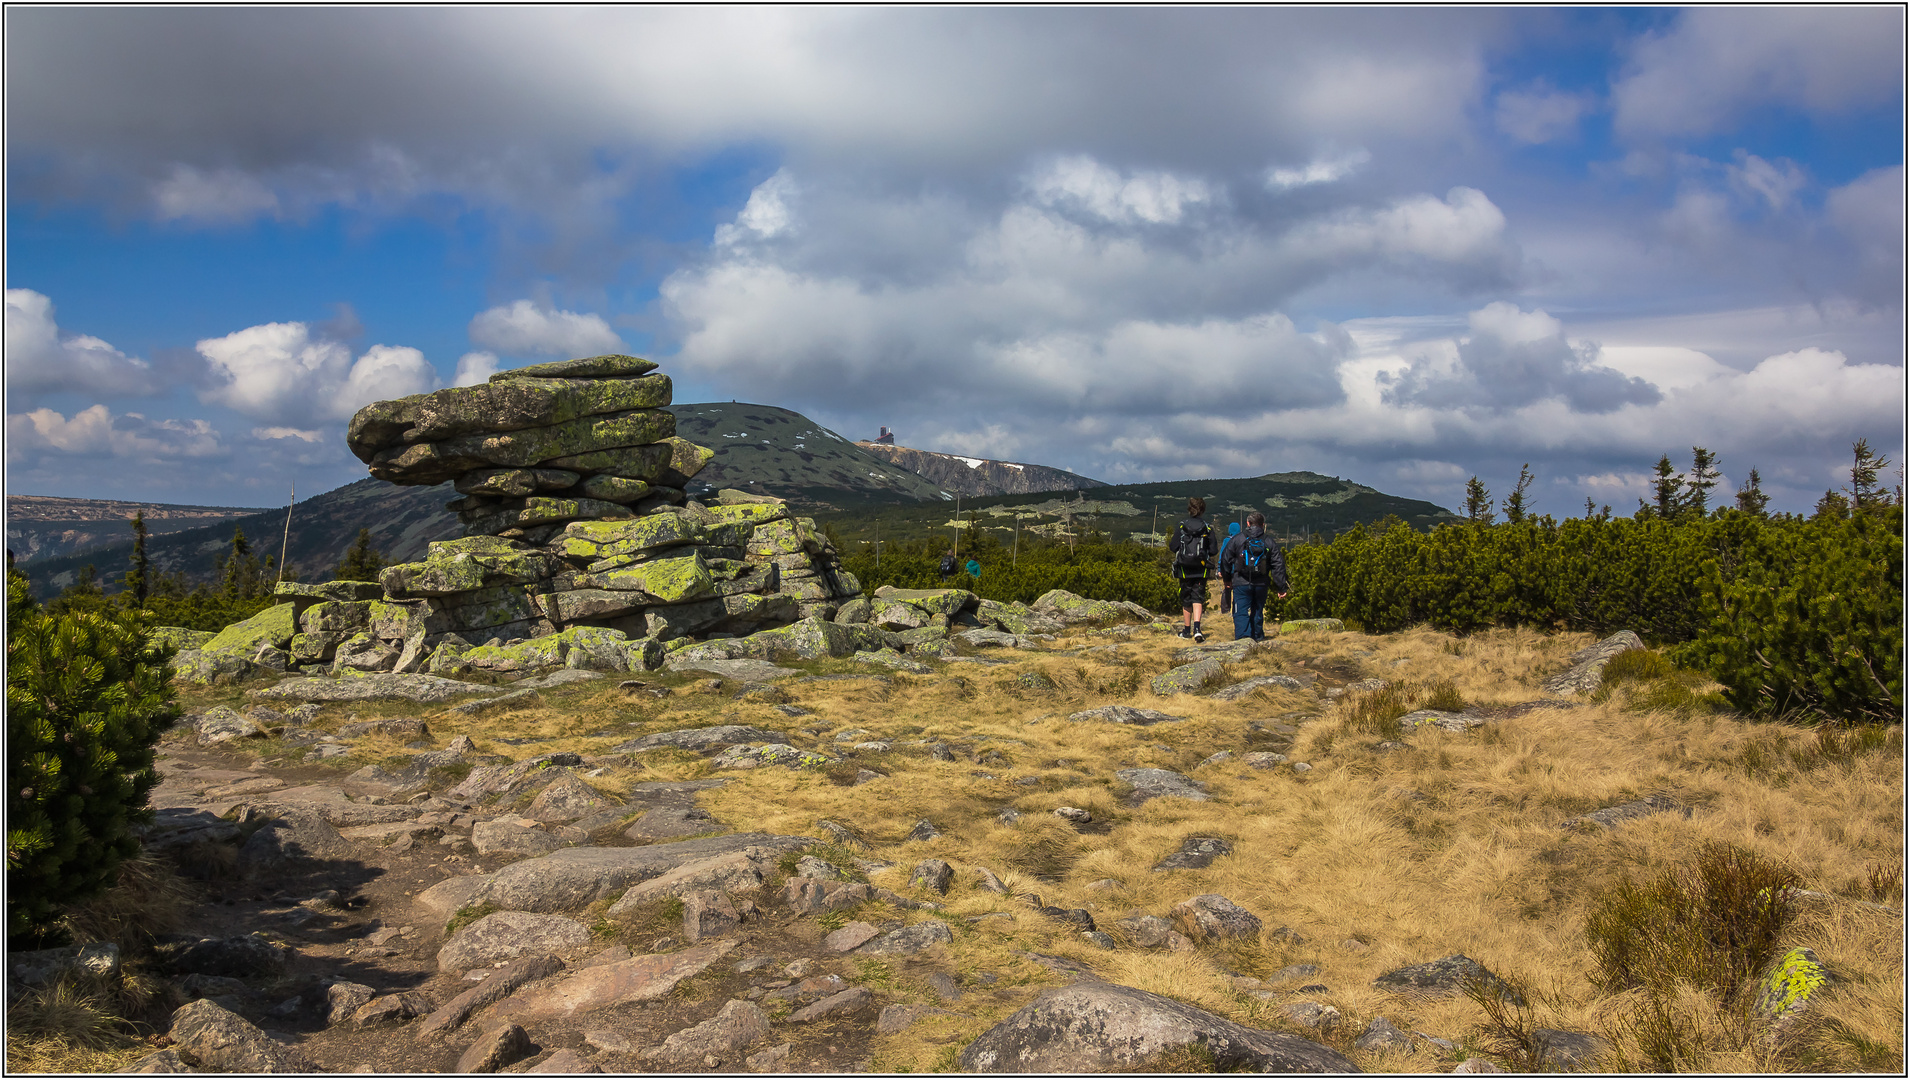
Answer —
1540 114
1318 171
96 433
1465 233
475 368
283 372
211 197
525 328
764 216
1515 358
1716 64
1082 183
269 433
41 360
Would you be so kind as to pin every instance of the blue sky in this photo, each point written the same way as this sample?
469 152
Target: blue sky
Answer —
1403 245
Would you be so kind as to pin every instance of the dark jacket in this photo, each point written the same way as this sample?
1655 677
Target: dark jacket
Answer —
1210 547
1232 557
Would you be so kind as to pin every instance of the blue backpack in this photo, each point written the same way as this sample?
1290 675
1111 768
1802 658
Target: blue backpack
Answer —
1256 558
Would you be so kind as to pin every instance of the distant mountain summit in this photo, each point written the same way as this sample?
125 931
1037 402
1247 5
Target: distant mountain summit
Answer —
977 476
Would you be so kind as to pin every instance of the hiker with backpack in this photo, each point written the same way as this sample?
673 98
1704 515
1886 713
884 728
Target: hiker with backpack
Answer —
1252 564
1194 546
949 564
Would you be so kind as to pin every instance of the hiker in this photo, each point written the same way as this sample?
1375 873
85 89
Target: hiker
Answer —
1226 583
948 564
1251 564
1194 546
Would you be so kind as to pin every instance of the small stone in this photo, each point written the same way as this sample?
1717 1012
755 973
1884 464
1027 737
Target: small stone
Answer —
773 1060
1196 852
1212 917
850 937
1312 1015
1476 1065
1381 1036
923 830
495 1049
1098 939
799 968
1301 766
1073 814
932 874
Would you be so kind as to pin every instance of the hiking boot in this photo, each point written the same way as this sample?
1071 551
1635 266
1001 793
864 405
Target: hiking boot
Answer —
1185 632
1198 636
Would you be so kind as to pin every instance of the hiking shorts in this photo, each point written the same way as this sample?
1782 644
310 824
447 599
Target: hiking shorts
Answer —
1193 590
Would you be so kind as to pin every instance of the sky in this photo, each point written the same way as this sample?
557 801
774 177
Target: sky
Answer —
1405 246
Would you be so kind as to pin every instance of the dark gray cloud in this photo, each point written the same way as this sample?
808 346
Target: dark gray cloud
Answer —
1515 358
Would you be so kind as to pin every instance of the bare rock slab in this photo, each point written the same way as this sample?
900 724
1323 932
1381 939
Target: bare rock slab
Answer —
1102 1027
1196 853
507 935
1124 714
1160 783
1611 817
739 1025
572 878
640 978
1588 664
380 686
499 986
1189 678
702 739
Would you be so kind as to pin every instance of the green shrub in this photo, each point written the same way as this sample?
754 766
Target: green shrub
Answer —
1714 924
86 702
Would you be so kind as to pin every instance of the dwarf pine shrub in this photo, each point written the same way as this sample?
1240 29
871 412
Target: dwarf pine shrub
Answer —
87 700
1714 924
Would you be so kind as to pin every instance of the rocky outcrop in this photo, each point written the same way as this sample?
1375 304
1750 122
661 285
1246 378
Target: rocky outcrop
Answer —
1588 664
979 476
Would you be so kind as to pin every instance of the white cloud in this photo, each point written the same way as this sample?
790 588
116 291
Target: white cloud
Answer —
525 328
1154 197
765 215
475 368
211 197
1512 359
96 432
39 360
1775 182
1319 171
1540 114
280 371
1717 64
1466 229
287 433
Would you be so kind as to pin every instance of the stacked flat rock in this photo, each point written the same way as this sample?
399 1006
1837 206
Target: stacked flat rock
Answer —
539 447
602 595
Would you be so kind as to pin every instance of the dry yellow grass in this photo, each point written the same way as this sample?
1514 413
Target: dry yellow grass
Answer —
1377 859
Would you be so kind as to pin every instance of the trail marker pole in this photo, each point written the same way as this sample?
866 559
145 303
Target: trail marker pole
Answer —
287 541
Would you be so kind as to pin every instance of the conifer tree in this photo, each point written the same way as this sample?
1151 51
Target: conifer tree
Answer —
1751 497
1478 502
1699 482
139 578
362 562
1866 495
1666 490
1514 505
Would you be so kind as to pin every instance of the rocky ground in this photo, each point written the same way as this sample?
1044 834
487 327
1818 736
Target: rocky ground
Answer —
599 873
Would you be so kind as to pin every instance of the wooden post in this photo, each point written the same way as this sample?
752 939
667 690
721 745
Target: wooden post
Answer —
287 541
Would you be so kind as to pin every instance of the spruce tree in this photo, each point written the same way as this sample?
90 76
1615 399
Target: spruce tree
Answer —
1514 506
1702 478
139 578
1866 495
1751 497
1666 490
1478 502
362 562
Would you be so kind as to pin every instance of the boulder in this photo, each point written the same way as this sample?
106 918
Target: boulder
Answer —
853 1000
850 937
508 935
43 967
1102 1027
220 724
1445 977
512 836
910 940
292 833
572 878
1188 678
501 984
932 874
1382 1035
1612 816
566 798
1125 714
1211 917
1791 984
739 1025
1568 1051
213 1039
1259 682
640 978
1444 721
1588 664
673 823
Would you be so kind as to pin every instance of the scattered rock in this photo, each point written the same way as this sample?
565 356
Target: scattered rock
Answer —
512 836
911 939
1263 759
43 967
1196 853
1125 714
923 830
495 1049
1611 816
1588 664
343 999
852 1000
641 978
701 739
1445 977
1212 917
1102 1027
1312 1015
1568 1051
850 937
773 1060
708 913
739 1025
1444 721
566 798
932 874
1159 783
392 1008
1381 1036
1791 983
1476 1065
673 822
498 986
1259 682
1188 678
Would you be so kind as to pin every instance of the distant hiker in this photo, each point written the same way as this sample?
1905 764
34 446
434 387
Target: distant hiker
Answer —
948 564
1194 546
1252 563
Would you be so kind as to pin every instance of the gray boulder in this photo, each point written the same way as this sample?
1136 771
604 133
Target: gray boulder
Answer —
1125 714
1259 682
1612 816
572 878
911 939
701 739
496 1049
1446 977
373 687
512 836
1588 664
292 833
1382 1035
1094 1027
1188 678
1212 917
213 1039
1196 853
932 874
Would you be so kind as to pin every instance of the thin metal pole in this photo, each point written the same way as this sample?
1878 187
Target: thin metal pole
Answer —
287 541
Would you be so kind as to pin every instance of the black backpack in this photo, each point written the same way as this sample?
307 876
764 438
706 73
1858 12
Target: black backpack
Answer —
1256 558
1190 549
948 565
